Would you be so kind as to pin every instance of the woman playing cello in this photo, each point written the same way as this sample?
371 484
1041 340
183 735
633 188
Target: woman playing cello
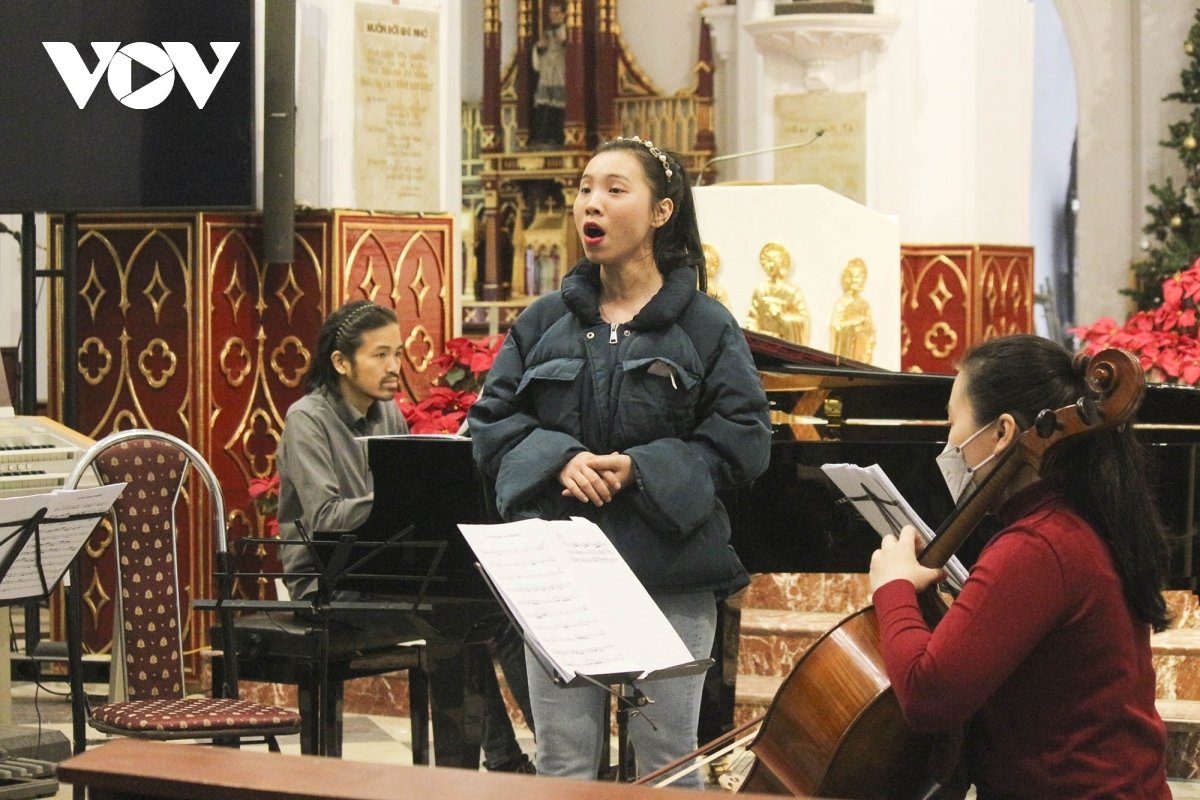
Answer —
1047 648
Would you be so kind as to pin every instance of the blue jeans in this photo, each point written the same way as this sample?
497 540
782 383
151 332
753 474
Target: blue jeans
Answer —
571 723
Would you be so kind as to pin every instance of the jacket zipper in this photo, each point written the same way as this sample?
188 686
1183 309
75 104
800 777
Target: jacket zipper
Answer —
612 333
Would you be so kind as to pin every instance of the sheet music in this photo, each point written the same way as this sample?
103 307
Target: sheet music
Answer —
60 538
575 596
880 503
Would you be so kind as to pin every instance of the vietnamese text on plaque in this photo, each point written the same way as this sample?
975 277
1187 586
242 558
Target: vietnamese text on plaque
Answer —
838 160
396 135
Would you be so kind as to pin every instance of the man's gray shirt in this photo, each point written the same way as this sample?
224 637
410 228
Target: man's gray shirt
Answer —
324 479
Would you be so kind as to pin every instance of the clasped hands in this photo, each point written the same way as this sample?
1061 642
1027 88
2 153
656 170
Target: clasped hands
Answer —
594 479
897 558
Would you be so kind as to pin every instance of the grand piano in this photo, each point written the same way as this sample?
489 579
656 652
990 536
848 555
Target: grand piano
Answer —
826 409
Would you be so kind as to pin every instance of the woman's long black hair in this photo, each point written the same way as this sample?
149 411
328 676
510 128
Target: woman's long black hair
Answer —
677 242
1105 475
342 332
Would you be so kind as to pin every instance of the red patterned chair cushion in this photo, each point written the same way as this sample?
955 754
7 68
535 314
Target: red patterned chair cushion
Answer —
193 718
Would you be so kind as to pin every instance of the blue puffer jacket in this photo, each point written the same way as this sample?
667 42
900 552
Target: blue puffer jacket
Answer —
675 389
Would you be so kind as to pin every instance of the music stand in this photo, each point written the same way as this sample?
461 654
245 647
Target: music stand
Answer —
47 532
629 697
333 560
40 536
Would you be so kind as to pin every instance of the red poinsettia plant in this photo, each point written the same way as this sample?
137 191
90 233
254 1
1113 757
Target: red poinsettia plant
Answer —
461 372
1164 339
265 494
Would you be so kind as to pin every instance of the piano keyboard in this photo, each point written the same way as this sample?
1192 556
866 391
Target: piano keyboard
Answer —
36 455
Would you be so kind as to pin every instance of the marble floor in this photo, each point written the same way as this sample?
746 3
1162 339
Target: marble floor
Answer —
368 738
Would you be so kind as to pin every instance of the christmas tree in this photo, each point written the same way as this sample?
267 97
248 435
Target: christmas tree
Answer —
1174 225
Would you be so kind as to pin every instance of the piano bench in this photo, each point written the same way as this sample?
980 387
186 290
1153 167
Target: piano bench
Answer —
275 647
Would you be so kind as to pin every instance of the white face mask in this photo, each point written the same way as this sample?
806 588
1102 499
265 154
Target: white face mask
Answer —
956 471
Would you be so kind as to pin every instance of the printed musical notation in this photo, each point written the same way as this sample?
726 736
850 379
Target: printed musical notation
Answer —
575 598
880 503
45 553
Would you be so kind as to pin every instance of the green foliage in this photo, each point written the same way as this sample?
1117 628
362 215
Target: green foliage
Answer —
1173 229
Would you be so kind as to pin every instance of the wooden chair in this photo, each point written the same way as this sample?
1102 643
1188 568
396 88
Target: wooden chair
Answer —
148 653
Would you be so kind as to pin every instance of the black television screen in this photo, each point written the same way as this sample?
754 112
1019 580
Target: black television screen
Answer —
126 104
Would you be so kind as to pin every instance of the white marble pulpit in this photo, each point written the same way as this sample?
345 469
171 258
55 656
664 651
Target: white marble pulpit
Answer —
822 231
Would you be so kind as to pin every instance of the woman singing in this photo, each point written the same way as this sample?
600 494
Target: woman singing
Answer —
629 397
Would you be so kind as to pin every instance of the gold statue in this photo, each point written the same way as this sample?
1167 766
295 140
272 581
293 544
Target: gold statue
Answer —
777 307
852 332
712 263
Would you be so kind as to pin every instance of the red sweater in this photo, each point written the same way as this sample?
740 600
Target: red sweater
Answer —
1041 653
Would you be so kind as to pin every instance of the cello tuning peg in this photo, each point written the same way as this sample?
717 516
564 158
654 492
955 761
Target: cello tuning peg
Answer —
1046 423
1088 411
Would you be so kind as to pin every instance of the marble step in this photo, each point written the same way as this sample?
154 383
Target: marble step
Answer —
1182 718
772 641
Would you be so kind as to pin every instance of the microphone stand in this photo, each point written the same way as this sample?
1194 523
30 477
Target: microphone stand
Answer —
793 145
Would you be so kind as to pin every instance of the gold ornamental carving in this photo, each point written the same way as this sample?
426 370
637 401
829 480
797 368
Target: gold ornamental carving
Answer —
93 291
157 292
101 547
148 353
419 286
940 295
289 293
524 19
235 377
778 307
368 285
102 352
940 339
293 343
574 136
235 293
123 421
419 336
259 426
712 265
852 330
96 598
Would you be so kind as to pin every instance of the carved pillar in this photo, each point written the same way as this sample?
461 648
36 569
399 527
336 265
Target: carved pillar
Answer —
575 119
491 270
607 55
705 137
490 113
527 34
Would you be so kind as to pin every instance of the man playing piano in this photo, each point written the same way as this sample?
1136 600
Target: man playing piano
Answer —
325 485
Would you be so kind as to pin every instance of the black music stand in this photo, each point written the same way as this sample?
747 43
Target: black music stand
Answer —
629 697
334 560
39 550
47 544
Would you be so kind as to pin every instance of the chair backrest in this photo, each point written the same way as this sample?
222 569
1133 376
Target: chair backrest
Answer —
155 465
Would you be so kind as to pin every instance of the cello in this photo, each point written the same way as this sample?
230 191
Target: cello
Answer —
834 728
